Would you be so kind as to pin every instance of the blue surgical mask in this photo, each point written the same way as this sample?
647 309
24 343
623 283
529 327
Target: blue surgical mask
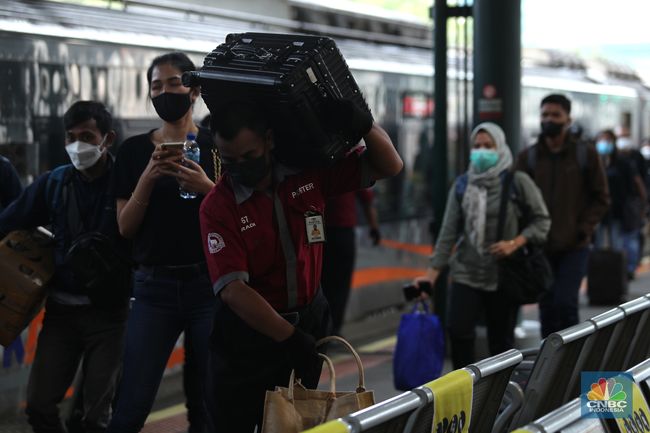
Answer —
483 159
604 147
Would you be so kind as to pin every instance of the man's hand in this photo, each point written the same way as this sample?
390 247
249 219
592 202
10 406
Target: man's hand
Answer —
349 117
301 351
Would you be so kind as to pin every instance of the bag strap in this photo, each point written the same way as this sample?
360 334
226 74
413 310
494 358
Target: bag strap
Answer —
503 204
420 306
216 161
581 155
357 358
532 160
461 186
56 182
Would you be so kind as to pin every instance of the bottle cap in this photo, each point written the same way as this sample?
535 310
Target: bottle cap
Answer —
191 136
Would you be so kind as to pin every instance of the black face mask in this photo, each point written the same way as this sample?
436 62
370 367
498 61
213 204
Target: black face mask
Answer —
250 172
552 129
171 106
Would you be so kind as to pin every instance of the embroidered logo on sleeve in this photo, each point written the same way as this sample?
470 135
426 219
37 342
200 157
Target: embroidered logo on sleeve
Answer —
215 243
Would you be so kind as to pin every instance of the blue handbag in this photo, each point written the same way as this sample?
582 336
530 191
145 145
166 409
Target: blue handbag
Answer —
420 351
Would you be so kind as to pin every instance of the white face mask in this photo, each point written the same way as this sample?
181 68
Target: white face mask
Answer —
645 151
624 143
84 155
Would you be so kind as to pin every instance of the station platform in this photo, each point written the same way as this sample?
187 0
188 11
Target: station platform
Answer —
375 339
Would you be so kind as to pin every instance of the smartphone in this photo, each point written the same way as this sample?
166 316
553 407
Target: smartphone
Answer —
176 145
411 292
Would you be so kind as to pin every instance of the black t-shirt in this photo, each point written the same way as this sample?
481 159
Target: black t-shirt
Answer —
169 233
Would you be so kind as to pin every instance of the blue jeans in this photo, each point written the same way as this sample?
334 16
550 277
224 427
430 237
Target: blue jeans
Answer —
558 309
164 307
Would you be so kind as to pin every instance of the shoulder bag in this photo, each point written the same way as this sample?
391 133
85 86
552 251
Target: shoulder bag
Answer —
525 275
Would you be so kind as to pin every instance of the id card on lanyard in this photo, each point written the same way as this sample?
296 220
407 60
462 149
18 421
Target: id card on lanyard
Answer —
315 227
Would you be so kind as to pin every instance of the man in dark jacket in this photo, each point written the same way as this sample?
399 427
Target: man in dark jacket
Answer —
76 200
574 186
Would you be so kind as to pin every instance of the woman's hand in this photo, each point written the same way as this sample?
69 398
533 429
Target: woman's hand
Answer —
505 248
429 278
161 163
191 177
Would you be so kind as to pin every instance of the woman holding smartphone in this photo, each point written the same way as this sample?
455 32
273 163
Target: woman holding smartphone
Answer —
172 291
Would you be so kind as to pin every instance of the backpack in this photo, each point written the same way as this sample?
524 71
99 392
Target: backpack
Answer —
581 156
98 267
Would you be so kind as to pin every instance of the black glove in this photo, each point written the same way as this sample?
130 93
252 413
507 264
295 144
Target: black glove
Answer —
348 117
375 236
301 351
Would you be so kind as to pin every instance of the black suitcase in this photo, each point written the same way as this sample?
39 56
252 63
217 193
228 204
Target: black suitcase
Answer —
606 277
292 76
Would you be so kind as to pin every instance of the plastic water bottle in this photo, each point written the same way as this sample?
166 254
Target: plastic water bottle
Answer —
192 152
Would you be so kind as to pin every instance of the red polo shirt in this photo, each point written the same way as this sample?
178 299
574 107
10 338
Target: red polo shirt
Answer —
342 209
242 238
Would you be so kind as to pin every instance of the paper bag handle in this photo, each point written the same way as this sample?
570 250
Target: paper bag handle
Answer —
330 367
357 358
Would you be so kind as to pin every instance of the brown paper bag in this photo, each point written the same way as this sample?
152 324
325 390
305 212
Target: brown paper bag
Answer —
295 408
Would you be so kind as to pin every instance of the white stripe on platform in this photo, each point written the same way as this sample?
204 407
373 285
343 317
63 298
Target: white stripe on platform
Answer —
166 413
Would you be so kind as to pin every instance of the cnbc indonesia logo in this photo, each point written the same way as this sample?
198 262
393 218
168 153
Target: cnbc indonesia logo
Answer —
607 397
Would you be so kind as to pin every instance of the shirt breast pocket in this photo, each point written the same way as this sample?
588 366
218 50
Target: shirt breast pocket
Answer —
306 220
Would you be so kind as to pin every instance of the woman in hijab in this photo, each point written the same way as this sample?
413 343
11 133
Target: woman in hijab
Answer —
470 223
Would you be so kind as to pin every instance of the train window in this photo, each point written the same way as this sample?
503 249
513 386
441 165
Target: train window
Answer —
45 83
75 82
138 84
56 82
101 85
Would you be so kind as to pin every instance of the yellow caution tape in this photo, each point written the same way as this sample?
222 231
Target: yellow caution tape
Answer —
335 426
639 421
452 401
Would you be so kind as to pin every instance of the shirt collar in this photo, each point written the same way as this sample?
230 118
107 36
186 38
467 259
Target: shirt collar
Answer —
242 193
280 172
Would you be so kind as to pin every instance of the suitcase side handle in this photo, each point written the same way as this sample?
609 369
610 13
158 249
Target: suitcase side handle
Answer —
195 78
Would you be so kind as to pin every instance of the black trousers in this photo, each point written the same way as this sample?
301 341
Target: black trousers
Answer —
338 264
244 364
70 334
465 306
